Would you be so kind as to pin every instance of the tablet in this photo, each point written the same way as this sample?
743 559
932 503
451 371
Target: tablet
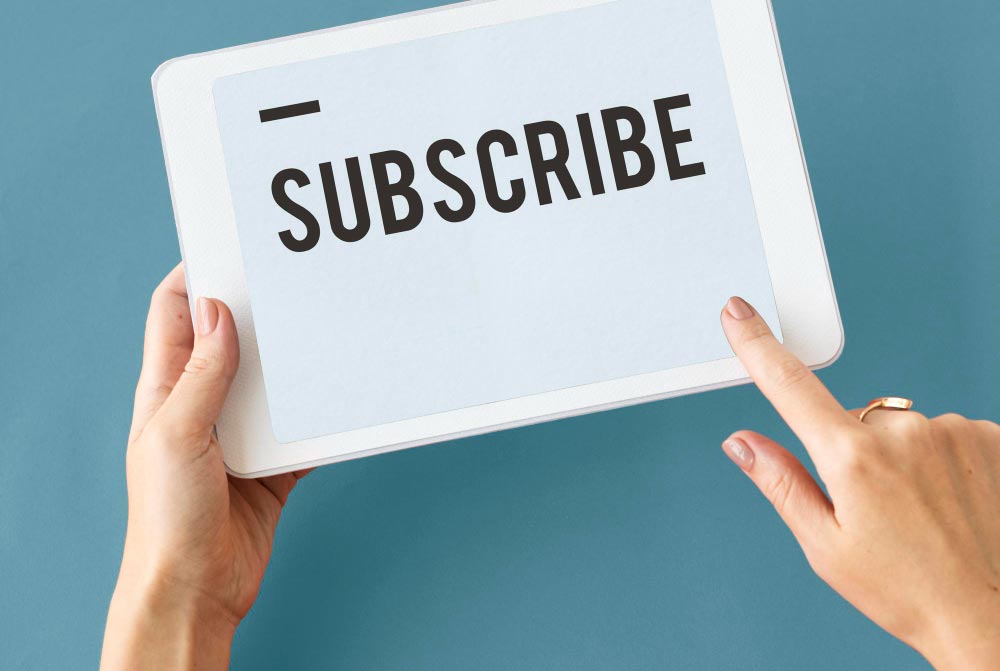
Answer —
488 215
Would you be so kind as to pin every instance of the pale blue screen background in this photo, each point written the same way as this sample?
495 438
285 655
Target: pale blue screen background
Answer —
624 540
453 315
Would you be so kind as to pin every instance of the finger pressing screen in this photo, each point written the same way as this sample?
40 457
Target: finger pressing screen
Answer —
796 393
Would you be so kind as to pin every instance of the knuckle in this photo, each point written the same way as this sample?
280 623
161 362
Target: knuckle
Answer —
788 373
920 434
779 491
913 425
755 331
951 422
205 365
987 427
951 428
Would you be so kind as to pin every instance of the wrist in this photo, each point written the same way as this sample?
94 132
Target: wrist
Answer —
969 644
156 623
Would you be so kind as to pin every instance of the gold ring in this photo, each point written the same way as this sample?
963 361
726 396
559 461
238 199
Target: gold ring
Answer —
886 403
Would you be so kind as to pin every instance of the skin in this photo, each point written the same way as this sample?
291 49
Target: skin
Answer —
909 531
198 541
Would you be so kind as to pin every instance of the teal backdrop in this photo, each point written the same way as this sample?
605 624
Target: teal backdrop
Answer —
624 540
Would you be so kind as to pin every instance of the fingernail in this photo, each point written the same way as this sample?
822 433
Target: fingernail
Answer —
739 309
208 316
741 454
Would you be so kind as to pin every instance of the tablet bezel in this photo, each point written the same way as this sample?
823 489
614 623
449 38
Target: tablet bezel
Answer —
203 211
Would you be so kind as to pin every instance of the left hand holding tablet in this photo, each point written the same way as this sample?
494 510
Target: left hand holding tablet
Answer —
198 541
910 531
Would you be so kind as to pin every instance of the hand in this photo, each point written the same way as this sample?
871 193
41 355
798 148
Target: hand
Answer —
910 533
198 541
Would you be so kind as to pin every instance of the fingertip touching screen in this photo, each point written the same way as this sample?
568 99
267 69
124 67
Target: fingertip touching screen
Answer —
490 214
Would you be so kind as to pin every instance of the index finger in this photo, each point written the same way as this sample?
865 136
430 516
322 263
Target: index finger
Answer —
795 392
168 342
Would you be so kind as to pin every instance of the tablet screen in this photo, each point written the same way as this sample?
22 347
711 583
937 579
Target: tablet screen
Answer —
490 214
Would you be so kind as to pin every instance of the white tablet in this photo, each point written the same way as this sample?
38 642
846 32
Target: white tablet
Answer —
488 215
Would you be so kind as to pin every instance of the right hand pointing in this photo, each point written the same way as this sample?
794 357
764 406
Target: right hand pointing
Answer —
910 533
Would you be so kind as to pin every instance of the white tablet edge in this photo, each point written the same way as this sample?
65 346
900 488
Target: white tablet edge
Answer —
192 147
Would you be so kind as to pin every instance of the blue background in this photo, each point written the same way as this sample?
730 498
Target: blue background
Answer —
623 540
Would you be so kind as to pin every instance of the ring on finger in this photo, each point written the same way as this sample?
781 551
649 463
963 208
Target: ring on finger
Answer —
886 403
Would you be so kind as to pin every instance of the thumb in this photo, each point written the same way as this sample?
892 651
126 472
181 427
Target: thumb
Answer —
787 485
196 400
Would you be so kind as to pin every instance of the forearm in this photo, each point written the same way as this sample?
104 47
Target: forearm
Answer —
151 626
